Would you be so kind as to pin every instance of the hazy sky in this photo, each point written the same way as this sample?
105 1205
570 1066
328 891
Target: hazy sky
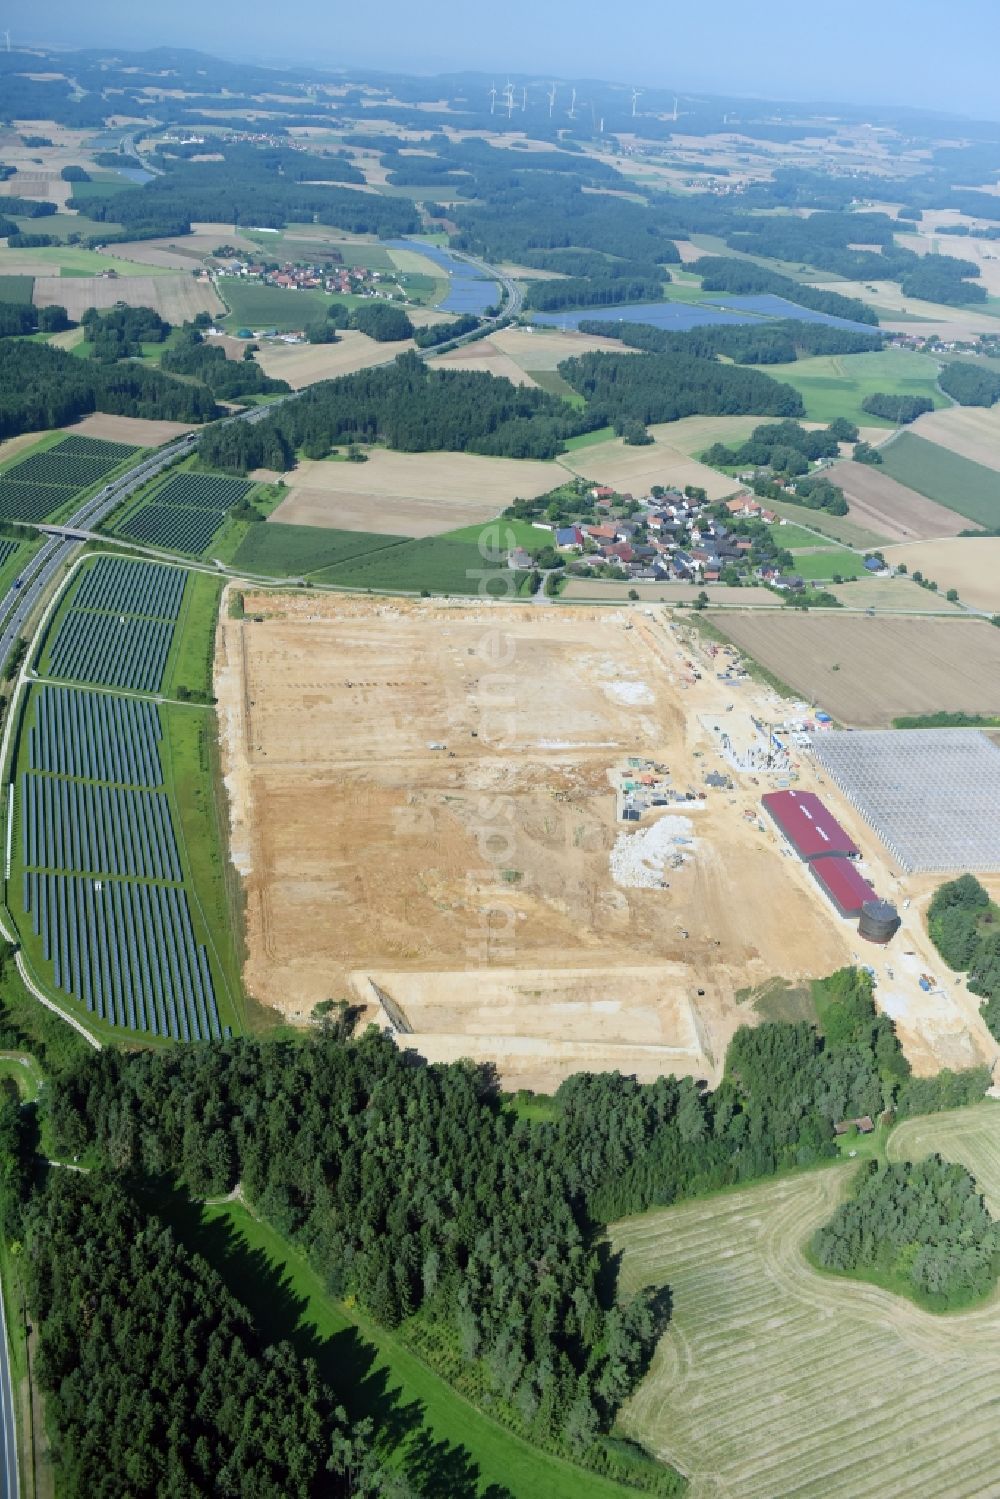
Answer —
893 51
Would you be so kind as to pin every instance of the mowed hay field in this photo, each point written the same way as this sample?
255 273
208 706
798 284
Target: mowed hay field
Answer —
775 1380
483 355
883 505
971 431
969 563
131 429
177 298
304 364
833 385
866 672
635 470
410 494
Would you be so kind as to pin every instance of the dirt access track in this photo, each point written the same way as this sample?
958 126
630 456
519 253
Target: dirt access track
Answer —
420 795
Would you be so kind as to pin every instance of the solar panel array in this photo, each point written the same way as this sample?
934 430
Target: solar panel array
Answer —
103 879
468 289
120 627
184 514
43 483
930 794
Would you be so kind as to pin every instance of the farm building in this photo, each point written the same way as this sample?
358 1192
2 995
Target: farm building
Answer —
931 795
840 881
810 828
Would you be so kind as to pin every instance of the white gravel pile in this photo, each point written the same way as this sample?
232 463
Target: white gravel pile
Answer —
639 859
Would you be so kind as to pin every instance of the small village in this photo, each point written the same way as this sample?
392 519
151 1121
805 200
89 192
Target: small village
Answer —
663 536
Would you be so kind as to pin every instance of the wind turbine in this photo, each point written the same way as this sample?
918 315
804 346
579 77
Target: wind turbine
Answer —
675 109
524 99
636 96
6 36
493 98
572 106
552 100
509 92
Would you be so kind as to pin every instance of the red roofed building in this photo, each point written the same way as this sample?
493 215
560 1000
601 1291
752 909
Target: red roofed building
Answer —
812 831
839 879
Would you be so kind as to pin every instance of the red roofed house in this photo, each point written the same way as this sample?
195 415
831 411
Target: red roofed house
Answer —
810 828
600 533
602 492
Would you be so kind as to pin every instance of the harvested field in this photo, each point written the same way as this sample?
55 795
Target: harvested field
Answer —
971 431
175 297
410 494
969 563
546 348
754 1389
483 355
899 595
866 672
474 881
304 364
888 507
131 429
634 470
671 593
969 1136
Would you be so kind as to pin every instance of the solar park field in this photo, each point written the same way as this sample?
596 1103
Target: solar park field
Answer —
39 486
114 913
182 513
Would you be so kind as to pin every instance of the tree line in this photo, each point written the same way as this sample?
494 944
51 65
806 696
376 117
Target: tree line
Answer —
663 387
964 927
921 1227
743 277
409 407
901 409
43 387
18 319
781 341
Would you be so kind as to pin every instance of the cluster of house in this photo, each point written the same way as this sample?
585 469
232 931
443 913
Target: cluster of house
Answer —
294 276
669 536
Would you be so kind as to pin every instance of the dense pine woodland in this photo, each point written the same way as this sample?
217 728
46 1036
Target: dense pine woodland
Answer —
779 342
421 1191
44 387
664 387
920 1227
408 407
965 927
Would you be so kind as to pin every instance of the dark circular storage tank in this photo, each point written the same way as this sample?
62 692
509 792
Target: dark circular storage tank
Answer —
879 921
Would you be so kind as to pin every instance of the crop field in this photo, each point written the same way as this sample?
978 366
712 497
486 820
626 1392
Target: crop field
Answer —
866 672
837 527
135 431
825 565
253 306
304 364
634 470
410 494
184 514
119 625
969 563
971 431
359 750
487 357
291 551
40 485
16 288
176 296
885 505
774 1380
438 563
833 385
968 488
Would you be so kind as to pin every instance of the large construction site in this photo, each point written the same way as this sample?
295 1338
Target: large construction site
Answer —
535 836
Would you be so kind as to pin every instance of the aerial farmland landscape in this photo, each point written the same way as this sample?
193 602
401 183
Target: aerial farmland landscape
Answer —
499 753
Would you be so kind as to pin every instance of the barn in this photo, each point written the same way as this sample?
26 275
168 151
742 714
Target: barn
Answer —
840 881
810 828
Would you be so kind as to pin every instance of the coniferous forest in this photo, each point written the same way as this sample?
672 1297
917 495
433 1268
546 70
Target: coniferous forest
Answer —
425 1195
